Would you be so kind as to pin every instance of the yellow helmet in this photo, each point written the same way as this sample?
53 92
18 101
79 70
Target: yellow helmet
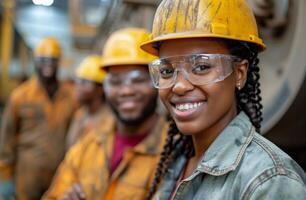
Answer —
90 69
228 19
48 47
123 48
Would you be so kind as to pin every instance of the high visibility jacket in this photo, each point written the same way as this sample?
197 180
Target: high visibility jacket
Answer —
88 163
84 123
32 139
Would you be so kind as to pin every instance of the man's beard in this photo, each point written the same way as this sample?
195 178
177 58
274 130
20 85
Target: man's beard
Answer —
148 111
47 79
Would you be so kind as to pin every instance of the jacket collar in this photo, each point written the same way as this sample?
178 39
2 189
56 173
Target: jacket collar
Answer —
61 93
151 145
226 152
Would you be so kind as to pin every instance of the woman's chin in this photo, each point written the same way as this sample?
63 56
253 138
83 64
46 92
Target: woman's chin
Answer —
187 128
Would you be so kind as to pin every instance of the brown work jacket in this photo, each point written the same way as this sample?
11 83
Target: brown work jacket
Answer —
32 137
88 163
84 123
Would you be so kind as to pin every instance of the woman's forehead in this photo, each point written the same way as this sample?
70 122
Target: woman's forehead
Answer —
193 46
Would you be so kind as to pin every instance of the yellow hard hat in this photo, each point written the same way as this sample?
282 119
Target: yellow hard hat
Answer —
48 47
123 48
90 69
228 19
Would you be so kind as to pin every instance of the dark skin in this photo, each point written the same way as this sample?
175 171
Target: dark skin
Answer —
218 107
130 103
89 94
46 68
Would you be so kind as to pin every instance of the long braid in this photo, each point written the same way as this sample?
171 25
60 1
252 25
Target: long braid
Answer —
249 97
175 141
164 157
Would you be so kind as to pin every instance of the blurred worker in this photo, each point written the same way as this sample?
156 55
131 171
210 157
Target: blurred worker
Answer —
34 127
119 163
89 93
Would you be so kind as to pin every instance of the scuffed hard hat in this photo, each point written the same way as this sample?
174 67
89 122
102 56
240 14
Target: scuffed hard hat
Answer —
227 19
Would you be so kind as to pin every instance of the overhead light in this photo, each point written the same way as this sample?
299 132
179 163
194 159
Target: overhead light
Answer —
43 2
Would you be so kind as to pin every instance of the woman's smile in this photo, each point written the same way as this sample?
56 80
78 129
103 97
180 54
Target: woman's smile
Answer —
187 110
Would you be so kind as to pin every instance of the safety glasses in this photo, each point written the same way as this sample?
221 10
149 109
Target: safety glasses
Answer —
198 69
134 79
80 82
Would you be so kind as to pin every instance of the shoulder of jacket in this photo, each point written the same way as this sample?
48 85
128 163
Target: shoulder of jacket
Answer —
278 178
21 91
264 160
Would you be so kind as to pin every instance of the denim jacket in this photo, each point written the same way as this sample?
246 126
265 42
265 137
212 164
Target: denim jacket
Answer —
239 164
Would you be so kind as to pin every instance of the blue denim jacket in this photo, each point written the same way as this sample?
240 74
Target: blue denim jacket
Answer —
239 164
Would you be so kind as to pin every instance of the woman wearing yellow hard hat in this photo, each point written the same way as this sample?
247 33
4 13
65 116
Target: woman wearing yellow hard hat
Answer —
208 79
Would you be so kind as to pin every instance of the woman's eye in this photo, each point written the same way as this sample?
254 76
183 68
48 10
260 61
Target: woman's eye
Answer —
201 69
166 72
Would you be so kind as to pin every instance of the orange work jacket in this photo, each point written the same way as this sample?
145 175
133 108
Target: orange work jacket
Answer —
88 163
32 137
84 123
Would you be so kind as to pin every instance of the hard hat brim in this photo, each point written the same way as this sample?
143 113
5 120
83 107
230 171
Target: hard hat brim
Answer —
148 46
117 62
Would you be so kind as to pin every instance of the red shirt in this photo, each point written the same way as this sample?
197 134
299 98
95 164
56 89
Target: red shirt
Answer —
122 143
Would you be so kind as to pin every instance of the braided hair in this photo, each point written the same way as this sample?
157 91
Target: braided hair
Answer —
248 100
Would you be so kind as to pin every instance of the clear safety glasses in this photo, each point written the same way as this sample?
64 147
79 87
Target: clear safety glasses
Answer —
84 83
133 79
198 69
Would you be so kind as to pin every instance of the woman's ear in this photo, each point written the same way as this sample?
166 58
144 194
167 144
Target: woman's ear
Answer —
241 71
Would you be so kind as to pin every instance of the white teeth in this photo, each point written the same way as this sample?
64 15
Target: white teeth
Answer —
188 106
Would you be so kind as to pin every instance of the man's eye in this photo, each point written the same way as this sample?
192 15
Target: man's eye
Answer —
138 80
114 81
201 69
166 72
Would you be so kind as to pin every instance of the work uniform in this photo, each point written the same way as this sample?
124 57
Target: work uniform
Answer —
88 163
33 135
239 165
83 122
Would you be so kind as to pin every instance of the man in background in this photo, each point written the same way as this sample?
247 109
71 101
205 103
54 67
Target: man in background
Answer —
117 163
34 127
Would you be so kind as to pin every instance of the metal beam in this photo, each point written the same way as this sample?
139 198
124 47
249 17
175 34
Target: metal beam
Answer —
6 43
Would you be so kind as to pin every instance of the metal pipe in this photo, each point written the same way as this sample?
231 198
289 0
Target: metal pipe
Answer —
6 43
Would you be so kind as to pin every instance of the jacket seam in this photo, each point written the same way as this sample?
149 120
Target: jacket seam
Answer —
264 177
232 167
275 158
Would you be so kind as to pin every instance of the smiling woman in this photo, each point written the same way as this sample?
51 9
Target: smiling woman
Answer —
208 79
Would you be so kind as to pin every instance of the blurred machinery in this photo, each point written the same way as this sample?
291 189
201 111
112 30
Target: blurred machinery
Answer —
283 26
83 25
